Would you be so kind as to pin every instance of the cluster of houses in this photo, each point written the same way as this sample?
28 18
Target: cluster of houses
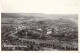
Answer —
43 32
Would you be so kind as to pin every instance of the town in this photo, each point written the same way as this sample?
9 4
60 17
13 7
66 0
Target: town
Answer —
18 33
43 37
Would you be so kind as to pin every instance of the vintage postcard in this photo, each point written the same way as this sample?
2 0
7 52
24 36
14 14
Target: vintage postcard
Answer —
47 26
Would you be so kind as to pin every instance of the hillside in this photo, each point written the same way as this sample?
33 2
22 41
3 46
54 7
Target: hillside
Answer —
24 17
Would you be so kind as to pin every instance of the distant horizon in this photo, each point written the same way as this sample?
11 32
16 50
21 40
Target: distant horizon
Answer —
40 16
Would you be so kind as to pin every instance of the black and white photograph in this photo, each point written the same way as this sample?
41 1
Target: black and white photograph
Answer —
39 32
40 26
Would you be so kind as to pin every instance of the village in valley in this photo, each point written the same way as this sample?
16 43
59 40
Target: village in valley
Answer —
33 32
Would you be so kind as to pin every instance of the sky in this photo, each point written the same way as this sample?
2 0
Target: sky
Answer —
40 6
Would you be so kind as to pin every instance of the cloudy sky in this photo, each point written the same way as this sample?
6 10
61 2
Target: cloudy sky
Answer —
40 6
